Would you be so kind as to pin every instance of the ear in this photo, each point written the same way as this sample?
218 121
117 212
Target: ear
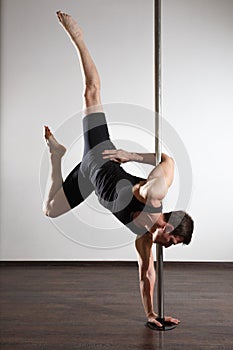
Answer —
169 228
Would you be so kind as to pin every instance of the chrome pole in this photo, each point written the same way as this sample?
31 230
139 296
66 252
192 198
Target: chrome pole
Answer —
158 116
158 147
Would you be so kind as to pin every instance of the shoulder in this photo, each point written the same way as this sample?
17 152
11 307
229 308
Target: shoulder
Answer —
155 190
161 177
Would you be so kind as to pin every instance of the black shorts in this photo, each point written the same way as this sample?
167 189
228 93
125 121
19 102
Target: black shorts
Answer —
80 183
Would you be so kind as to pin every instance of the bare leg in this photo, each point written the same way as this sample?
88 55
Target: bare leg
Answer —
92 101
56 203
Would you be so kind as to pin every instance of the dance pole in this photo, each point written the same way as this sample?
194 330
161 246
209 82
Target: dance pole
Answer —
158 137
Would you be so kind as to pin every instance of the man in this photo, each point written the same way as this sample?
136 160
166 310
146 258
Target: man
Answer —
135 201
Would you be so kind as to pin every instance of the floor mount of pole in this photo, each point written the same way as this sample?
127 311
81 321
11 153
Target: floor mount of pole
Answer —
167 326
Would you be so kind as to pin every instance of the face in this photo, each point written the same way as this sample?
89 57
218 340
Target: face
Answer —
163 236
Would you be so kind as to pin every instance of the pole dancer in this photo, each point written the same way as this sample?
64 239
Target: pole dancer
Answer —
135 201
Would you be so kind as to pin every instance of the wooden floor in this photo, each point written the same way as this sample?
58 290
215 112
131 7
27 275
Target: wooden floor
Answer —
98 306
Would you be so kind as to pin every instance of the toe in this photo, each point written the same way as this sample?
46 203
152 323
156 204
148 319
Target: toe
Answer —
59 15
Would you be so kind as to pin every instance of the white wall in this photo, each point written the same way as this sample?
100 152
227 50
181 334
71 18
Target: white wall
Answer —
41 84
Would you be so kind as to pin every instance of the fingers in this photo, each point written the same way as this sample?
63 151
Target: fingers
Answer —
155 322
167 319
112 159
158 324
110 151
171 319
109 157
109 154
116 155
152 319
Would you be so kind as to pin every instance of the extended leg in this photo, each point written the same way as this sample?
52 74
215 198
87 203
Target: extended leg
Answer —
92 102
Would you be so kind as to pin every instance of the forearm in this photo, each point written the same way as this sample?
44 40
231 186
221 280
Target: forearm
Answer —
147 158
122 156
147 294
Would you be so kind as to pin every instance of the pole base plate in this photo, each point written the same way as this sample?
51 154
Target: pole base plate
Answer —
167 326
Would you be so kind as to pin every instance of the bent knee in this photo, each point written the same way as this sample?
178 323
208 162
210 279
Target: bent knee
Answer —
50 211
50 214
57 206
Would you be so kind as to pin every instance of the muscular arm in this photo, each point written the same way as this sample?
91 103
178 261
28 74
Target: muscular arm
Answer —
164 169
122 156
159 179
147 278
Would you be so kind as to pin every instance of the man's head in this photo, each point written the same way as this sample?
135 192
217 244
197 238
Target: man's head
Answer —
173 228
183 224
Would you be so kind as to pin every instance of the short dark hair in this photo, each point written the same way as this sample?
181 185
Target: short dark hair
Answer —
183 224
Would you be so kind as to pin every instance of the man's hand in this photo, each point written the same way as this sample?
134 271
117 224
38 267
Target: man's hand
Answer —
152 318
117 155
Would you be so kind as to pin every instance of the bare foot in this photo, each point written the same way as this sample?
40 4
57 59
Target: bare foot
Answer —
70 25
47 132
55 148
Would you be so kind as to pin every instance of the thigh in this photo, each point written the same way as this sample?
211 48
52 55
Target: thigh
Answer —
95 131
77 187
96 140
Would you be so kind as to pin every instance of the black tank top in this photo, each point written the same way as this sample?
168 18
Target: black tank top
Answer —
113 187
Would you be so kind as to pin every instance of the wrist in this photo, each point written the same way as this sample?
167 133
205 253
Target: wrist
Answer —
136 157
